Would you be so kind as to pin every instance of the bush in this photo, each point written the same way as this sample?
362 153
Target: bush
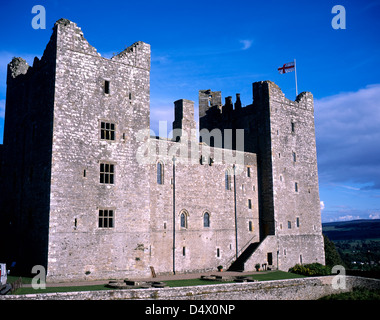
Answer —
311 270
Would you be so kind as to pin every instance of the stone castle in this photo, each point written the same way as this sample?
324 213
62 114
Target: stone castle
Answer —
88 193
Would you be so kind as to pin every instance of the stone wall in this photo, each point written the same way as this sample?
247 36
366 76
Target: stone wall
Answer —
91 90
281 132
26 165
200 188
292 289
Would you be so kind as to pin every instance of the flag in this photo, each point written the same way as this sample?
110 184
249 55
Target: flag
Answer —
287 67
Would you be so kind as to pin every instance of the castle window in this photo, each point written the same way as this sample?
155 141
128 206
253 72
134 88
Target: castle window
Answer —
250 226
228 180
184 220
217 252
107 172
212 141
293 127
249 204
289 224
206 220
270 258
184 251
106 86
107 131
298 222
106 218
248 172
296 186
294 157
160 172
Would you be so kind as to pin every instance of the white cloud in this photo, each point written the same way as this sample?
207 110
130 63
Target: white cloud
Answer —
246 44
374 216
347 129
322 205
348 217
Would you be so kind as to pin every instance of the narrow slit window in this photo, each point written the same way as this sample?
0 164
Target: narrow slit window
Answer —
296 186
206 220
106 86
160 173
249 204
183 220
228 180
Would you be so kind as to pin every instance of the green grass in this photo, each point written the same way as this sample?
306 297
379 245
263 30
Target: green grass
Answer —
61 289
355 294
276 275
24 280
273 275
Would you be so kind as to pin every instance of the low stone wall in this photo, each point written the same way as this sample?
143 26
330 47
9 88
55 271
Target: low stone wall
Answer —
292 289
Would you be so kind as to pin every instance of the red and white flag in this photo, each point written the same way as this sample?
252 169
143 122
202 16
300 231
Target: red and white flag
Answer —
287 67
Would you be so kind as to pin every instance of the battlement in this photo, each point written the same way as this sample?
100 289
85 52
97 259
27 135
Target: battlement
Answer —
263 92
71 37
137 54
17 67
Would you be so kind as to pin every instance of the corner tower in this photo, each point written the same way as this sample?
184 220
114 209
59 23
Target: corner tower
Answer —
288 174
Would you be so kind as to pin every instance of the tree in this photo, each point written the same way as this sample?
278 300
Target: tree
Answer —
331 254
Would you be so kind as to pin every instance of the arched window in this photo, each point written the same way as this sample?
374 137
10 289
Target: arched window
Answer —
160 172
228 180
184 219
206 220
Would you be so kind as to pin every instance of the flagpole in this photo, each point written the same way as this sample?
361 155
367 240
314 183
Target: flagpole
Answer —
295 75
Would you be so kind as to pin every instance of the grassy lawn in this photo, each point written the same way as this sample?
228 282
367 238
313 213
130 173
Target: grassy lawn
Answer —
356 294
62 289
274 275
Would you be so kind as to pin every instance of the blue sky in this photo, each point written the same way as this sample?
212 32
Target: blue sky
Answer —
227 45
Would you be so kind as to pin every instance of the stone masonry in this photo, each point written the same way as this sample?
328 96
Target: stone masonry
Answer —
88 193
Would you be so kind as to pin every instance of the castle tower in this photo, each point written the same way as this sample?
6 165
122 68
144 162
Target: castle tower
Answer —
288 174
184 119
281 132
70 140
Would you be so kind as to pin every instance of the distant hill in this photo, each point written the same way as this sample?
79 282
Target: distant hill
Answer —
352 230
